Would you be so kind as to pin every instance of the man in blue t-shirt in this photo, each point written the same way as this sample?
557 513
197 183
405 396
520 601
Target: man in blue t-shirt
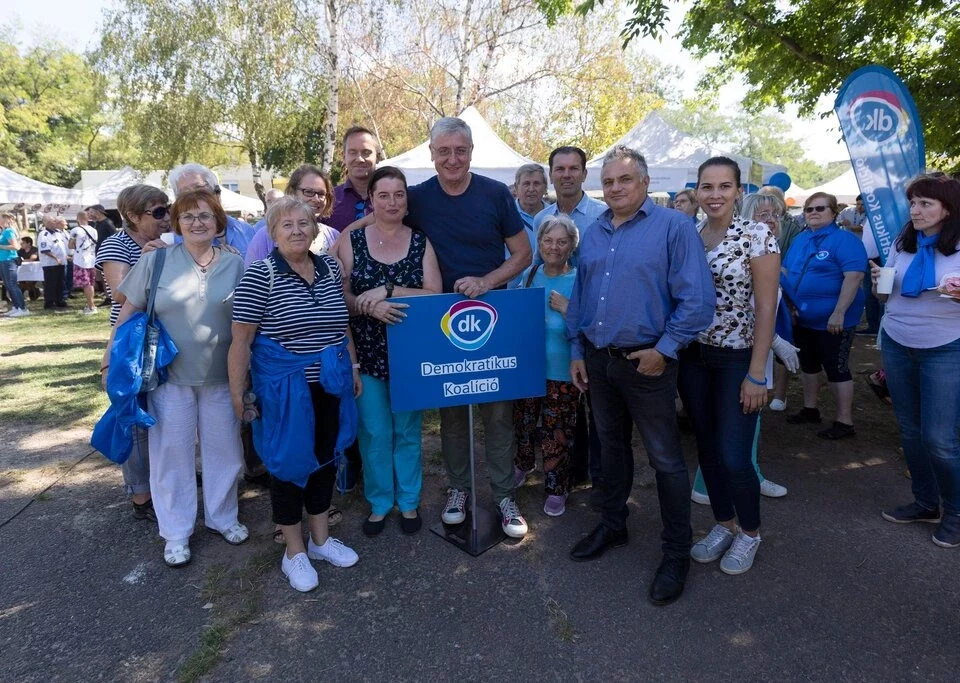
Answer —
469 218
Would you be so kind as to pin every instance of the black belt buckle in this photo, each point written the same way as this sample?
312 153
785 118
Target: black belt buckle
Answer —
622 351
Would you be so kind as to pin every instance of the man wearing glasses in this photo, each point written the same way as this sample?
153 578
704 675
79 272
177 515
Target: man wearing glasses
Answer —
196 177
360 156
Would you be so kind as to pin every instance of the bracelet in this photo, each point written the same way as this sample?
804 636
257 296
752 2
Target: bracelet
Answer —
104 368
758 382
355 366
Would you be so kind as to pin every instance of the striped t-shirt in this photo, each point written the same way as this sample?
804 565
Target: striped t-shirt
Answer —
122 248
301 318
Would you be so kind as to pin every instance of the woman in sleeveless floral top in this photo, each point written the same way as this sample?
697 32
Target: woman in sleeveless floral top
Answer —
722 375
386 259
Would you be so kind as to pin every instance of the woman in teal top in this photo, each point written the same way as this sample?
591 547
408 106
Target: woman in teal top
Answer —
9 244
556 412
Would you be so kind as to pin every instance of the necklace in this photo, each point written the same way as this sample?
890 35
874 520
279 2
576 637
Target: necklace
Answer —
203 266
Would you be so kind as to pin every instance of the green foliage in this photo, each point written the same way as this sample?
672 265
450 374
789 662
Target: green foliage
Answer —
790 51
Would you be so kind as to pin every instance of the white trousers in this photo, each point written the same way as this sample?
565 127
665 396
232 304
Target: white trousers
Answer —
183 414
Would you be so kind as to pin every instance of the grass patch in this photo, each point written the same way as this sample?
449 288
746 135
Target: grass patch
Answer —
237 595
560 622
49 366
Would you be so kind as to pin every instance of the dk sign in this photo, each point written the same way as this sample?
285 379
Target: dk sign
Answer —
452 351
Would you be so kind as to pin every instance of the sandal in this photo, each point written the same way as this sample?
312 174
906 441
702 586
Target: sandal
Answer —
278 536
235 535
877 382
176 554
334 516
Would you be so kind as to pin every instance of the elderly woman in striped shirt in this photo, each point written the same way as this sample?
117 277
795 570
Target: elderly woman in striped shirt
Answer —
291 337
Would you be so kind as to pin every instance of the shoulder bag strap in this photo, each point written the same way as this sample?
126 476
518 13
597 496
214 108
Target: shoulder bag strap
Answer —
533 272
154 281
270 269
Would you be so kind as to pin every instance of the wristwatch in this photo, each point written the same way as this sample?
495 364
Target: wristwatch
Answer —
389 288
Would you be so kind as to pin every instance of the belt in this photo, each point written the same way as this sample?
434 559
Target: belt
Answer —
620 351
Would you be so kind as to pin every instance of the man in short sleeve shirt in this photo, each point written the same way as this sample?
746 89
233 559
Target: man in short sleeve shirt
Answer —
469 218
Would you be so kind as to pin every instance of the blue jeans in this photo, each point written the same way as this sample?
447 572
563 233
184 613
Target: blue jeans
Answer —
390 448
709 383
700 486
8 273
136 468
924 385
620 395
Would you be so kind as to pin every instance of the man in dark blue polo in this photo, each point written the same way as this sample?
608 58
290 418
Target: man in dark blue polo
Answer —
643 292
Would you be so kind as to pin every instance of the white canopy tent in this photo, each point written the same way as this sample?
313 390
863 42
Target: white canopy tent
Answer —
19 189
106 191
844 188
673 157
492 157
234 201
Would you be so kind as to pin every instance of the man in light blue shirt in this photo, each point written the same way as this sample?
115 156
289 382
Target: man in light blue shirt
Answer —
643 292
529 188
197 177
568 172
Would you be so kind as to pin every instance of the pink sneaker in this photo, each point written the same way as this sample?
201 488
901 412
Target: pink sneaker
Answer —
555 505
519 476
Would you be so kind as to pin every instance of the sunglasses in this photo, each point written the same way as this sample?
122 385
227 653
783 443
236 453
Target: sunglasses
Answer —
361 209
159 213
818 209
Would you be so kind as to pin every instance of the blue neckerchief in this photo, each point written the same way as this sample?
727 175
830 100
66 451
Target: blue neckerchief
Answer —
921 274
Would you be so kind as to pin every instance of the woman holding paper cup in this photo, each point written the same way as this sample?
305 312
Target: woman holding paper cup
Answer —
386 259
821 281
921 353
194 303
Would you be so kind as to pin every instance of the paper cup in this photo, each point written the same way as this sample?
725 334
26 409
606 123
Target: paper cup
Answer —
167 238
885 281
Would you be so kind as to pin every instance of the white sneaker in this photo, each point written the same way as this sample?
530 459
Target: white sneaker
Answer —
333 551
455 511
177 553
739 558
713 545
303 577
778 406
89 311
17 313
771 490
513 523
699 498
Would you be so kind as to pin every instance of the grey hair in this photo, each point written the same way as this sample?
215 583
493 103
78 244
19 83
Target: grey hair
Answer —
176 174
755 201
287 204
449 125
624 152
559 220
530 168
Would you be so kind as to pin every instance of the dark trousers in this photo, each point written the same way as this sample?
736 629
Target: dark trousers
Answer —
68 280
620 395
873 309
287 499
53 286
709 383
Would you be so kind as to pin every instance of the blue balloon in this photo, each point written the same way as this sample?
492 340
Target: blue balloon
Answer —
781 180
750 188
691 186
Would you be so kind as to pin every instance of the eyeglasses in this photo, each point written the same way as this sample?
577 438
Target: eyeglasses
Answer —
764 216
189 218
818 209
159 213
310 194
361 209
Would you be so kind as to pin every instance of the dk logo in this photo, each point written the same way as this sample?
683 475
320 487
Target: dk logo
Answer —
878 115
469 324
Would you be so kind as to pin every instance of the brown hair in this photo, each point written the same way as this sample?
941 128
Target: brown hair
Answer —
831 202
191 200
135 200
945 190
301 172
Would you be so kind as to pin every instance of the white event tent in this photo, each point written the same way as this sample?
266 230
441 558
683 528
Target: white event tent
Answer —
492 157
19 189
673 157
844 188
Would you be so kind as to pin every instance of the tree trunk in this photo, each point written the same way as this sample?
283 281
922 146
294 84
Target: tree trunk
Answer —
464 56
333 89
257 171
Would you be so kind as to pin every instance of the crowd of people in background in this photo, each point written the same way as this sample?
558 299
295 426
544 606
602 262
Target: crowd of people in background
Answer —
701 307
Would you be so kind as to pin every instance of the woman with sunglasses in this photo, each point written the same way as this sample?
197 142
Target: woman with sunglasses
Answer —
921 352
821 282
145 213
194 303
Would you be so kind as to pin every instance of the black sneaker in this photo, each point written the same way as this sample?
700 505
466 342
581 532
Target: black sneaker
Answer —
144 511
947 534
805 416
911 512
838 431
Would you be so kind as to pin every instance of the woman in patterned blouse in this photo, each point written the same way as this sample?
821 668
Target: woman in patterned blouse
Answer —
722 375
386 259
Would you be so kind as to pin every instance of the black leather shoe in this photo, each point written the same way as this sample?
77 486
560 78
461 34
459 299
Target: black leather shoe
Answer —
594 545
410 525
668 582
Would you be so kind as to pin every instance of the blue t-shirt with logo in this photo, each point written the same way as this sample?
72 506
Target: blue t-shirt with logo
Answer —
815 266
468 230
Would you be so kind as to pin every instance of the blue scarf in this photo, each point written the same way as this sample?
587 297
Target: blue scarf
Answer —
921 274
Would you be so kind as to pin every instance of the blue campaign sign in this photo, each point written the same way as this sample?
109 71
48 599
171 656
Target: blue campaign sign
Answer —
452 351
